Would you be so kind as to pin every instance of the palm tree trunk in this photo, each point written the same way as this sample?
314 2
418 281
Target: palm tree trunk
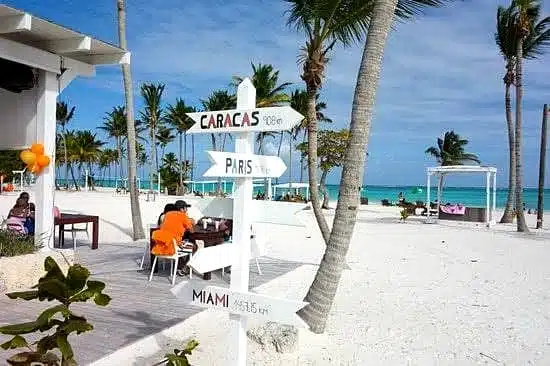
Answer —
65 156
119 152
131 128
323 289
302 161
312 161
279 153
323 184
508 215
180 190
76 187
219 184
521 224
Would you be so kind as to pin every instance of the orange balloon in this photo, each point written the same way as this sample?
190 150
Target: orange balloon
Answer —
43 160
38 149
28 157
36 168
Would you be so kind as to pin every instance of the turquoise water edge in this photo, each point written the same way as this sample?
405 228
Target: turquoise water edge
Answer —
468 196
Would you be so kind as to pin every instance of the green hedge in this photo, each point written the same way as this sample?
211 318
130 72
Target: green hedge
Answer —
13 244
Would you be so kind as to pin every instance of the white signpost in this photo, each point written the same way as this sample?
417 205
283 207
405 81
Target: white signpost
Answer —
243 303
244 121
246 118
227 164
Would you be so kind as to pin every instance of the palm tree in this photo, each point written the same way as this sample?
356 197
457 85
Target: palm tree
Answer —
381 15
131 129
170 161
268 94
164 137
63 115
298 101
506 38
177 117
217 101
450 150
85 148
153 117
525 15
115 126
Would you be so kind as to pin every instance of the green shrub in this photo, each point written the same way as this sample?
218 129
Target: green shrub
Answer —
56 323
179 357
13 243
404 214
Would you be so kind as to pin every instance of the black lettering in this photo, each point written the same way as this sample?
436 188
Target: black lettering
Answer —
197 295
235 123
228 163
221 300
241 167
219 120
249 167
255 118
210 299
204 117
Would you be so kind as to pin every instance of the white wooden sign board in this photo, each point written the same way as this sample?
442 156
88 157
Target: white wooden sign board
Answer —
250 304
227 164
245 120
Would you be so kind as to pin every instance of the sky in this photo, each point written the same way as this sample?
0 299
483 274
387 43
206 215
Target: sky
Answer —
441 71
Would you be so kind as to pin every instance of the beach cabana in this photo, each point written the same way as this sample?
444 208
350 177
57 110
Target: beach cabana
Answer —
38 59
490 184
291 187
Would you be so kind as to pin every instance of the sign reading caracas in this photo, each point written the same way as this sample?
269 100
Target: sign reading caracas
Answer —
259 119
243 303
227 164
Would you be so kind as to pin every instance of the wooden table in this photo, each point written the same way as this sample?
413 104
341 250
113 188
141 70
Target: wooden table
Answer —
198 234
69 219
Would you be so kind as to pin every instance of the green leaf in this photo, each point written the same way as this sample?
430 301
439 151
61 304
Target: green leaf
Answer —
25 295
22 328
96 286
23 358
102 299
64 346
76 325
52 270
76 278
46 343
15 342
82 296
190 346
47 314
53 289
174 360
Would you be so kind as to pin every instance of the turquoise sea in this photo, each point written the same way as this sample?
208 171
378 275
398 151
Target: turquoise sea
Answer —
468 196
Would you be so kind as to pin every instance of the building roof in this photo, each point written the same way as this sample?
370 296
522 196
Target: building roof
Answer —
460 169
294 185
19 26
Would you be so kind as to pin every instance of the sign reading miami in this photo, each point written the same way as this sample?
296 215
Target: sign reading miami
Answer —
259 119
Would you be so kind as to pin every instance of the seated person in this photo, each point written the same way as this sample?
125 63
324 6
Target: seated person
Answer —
169 207
173 227
22 212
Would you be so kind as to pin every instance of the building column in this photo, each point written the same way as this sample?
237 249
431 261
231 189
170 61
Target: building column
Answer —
45 182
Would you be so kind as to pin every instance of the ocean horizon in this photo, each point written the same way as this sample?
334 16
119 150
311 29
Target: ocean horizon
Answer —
468 196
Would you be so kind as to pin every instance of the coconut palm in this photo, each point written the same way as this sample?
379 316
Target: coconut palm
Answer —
164 137
115 126
298 101
506 38
177 117
450 150
63 115
265 79
525 15
131 130
153 117
344 21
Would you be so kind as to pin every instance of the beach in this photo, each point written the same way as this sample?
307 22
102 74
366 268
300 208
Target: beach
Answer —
415 294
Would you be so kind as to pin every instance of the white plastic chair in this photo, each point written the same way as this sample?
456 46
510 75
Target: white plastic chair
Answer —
174 259
74 230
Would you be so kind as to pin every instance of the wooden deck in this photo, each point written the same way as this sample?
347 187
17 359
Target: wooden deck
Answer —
138 308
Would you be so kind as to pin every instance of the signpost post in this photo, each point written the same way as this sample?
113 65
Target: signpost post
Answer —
244 166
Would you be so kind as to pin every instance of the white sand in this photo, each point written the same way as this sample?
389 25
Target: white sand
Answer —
416 294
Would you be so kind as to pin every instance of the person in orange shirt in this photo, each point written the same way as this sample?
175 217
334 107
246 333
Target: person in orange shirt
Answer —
176 225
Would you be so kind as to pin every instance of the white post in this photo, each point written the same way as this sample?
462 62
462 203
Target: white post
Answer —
493 213
45 134
428 188
158 188
268 193
242 220
488 197
439 178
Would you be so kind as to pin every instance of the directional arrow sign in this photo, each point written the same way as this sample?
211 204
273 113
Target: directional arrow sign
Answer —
245 120
227 164
243 303
220 256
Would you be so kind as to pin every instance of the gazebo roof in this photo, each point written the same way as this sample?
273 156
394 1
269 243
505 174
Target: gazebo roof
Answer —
448 169
23 28
294 185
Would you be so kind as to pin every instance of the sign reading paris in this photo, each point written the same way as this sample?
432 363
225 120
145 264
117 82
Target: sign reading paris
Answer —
259 119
